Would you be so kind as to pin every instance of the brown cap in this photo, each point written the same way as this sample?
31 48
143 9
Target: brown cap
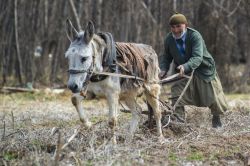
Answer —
177 19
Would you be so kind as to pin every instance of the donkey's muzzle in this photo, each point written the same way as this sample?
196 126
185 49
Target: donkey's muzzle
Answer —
74 88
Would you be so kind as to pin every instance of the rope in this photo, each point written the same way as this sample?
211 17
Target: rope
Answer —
170 78
183 91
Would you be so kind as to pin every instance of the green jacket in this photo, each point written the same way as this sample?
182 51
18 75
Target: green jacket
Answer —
196 55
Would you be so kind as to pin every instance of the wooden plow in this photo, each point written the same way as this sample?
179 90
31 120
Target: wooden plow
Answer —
168 110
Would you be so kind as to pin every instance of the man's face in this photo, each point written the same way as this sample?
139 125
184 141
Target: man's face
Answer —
178 29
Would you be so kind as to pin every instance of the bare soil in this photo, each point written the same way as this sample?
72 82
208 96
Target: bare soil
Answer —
30 125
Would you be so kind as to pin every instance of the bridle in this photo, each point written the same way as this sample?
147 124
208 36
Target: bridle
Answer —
89 72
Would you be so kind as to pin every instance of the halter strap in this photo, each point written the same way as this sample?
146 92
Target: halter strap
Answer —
73 71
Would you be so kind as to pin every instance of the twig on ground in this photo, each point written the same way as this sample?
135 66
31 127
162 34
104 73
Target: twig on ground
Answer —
58 150
54 131
13 120
78 162
71 138
3 136
18 131
179 145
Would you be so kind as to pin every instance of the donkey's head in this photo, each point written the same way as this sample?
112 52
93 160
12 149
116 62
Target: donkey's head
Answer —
80 55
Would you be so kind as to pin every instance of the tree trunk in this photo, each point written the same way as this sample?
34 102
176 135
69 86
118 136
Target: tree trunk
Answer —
19 62
126 21
97 13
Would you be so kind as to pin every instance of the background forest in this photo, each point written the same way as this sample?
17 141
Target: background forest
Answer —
33 38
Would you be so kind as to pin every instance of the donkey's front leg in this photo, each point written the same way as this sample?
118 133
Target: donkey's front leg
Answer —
113 103
76 100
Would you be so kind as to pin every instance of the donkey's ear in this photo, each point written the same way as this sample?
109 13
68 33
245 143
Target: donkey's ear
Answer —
71 31
89 32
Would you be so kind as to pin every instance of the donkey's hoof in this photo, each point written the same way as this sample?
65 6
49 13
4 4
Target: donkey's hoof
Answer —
114 142
87 124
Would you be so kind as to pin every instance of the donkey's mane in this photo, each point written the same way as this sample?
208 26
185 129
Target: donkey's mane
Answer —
99 41
109 56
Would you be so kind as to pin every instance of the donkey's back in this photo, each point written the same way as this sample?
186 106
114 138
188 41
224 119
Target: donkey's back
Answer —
139 59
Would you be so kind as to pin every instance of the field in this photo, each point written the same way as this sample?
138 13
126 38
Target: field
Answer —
32 126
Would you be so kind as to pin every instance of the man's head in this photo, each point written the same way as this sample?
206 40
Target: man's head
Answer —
178 24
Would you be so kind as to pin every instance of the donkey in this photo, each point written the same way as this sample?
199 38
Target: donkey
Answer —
91 53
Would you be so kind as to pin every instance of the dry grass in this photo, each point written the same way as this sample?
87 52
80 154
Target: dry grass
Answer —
30 125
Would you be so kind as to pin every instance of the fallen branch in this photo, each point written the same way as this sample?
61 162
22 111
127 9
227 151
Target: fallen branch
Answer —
17 89
18 131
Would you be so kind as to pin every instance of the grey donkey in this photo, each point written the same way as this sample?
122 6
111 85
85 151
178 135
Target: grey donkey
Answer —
90 53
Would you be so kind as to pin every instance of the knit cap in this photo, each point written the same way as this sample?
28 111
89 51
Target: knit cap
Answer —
177 19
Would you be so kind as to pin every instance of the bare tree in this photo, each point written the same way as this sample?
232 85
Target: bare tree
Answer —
19 62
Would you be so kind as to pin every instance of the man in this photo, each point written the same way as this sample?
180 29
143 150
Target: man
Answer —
186 48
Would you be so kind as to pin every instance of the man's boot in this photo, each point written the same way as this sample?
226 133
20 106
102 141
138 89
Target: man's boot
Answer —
216 121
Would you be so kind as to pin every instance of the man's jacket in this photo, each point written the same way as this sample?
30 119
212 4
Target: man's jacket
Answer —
196 55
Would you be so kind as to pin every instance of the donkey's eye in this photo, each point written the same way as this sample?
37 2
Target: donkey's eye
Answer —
83 59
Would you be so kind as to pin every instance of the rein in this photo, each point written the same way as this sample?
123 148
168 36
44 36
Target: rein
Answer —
119 75
169 79
90 72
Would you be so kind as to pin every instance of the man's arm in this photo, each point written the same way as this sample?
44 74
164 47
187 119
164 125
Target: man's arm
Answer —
197 54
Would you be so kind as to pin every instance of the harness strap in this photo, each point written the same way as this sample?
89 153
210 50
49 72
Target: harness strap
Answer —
166 80
119 75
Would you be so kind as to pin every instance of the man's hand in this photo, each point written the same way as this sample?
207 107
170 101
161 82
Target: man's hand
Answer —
182 70
162 74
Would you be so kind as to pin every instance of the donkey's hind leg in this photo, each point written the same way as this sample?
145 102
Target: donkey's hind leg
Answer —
152 94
